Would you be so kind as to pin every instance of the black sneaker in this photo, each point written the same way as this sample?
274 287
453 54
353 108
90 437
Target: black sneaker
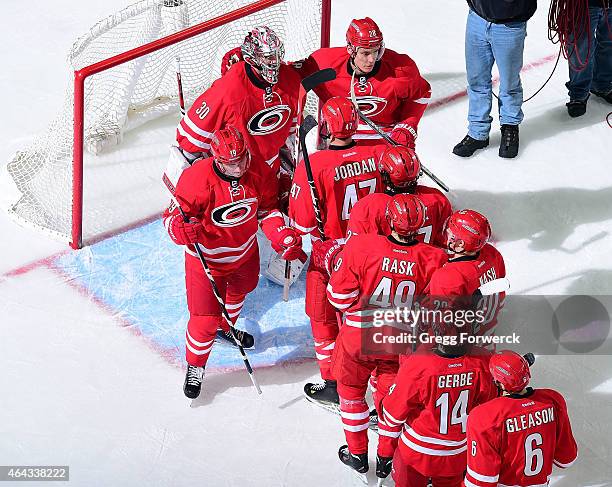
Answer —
606 96
576 108
383 466
193 381
509 146
324 394
245 338
468 146
359 463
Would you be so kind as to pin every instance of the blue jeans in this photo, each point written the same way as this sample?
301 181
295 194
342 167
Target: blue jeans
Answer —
597 75
487 43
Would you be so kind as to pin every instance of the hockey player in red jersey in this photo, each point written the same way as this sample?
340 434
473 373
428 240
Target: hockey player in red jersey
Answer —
223 201
427 408
472 262
516 438
374 272
257 95
343 174
388 86
400 169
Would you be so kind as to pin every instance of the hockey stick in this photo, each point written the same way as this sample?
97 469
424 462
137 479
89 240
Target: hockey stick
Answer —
307 125
308 84
495 286
179 82
386 137
209 275
224 312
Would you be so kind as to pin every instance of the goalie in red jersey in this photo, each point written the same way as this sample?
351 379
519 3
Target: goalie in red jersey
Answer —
374 272
400 169
258 95
472 263
428 406
343 174
224 202
388 86
516 438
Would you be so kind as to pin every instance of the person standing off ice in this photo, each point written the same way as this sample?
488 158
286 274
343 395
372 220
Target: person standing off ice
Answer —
590 58
495 33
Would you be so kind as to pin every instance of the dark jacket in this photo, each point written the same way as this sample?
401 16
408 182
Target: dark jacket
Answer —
504 11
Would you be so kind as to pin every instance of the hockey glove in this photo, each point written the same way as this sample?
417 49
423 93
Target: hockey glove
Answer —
287 242
404 135
231 57
324 254
182 232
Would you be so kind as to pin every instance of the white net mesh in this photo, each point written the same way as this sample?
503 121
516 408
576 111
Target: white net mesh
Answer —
122 167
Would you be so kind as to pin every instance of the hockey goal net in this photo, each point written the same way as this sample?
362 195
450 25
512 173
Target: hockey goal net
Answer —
91 174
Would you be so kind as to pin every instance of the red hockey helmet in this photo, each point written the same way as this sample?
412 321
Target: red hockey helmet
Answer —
469 226
400 168
405 214
511 370
340 117
230 151
366 34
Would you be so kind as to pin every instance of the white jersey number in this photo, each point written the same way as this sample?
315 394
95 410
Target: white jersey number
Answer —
384 296
350 195
458 414
533 455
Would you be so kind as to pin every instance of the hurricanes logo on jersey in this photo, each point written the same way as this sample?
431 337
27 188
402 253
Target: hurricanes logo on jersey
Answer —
371 105
269 120
235 213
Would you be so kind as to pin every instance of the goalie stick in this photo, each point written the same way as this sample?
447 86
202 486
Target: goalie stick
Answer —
386 137
210 277
308 84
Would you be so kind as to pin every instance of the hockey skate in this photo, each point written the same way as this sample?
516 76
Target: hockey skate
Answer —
323 394
358 463
193 381
373 420
383 468
245 338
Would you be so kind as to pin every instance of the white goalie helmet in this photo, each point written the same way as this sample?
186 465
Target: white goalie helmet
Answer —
264 50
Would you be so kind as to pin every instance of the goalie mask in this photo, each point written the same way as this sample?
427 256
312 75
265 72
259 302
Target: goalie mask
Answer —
230 152
264 50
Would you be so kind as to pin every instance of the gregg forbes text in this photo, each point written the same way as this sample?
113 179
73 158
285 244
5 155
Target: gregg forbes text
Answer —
405 320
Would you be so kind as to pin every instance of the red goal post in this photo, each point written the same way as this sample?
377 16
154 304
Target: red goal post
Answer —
35 172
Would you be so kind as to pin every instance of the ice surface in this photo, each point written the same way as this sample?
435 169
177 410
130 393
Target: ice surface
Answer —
91 341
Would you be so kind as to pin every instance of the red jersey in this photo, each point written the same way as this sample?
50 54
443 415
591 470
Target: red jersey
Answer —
464 275
394 92
515 440
229 211
368 215
374 271
430 401
342 176
265 114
